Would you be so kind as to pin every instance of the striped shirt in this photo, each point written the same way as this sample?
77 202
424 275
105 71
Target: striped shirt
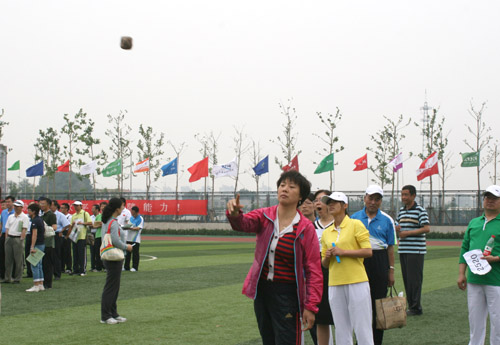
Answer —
414 218
319 230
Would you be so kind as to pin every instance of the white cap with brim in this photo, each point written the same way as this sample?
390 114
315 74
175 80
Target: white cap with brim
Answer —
19 203
374 189
493 189
337 196
79 203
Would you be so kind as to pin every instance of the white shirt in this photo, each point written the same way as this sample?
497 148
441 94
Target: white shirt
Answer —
15 224
274 242
124 217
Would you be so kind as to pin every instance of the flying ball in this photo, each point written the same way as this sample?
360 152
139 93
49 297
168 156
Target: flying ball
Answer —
126 43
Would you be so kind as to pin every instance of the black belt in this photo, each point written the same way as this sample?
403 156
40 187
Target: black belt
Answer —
14 236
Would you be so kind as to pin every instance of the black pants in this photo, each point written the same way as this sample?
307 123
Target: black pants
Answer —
134 255
412 268
277 310
66 254
97 254
48 267
58 243
111 289
377 269
92 256
2 256
80 256
27 248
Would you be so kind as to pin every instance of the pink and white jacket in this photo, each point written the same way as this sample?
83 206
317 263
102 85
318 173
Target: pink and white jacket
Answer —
309 277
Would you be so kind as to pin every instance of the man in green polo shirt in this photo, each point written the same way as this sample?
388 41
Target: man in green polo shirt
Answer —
79 222
483 291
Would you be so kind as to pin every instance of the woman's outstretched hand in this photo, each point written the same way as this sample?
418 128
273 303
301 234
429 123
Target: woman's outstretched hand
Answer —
234 206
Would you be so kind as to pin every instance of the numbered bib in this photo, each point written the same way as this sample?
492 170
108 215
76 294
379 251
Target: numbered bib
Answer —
476 264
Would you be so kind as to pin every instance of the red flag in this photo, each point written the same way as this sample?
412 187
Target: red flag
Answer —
361 163
428 167
199 170
293 165
64 167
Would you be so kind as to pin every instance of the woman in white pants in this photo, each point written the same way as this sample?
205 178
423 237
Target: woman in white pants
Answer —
344 244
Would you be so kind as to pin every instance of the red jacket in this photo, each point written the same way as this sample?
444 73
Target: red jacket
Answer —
308 273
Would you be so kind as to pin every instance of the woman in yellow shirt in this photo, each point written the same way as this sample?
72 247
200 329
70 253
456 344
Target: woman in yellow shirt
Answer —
344 245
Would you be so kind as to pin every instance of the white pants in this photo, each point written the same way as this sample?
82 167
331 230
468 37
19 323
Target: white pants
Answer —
481 300
352 310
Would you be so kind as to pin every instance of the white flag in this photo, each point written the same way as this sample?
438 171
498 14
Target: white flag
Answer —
142 166
88 169
229 169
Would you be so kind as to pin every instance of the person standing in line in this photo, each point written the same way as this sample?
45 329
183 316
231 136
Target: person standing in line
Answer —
109 312
50 219
62 225
37 240
344 245
15 231
134 239
483 291
79 222
9 209
324 318
285 279
96 217
380 267
66 265
413 224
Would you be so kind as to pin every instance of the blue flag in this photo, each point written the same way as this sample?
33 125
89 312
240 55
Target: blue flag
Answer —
262 167
170 168
35 170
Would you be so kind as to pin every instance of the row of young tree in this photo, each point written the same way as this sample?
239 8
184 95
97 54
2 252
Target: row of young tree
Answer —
78 142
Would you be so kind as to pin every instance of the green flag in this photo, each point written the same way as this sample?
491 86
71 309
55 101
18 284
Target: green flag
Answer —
325 165
114 168
470 159
15 166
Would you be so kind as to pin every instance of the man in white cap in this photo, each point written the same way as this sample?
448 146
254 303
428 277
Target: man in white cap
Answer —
79 222
15 232
380 267
483 291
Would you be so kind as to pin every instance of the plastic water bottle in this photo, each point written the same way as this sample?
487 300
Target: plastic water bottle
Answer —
489 246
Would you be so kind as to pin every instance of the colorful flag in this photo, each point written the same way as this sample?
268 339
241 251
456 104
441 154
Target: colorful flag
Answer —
170 168
262 167
199 170
35 170
114 168
325 165
228 169
361 163
469 159
64 167
293 165
89 168
428 167
142 166
397 162
15 166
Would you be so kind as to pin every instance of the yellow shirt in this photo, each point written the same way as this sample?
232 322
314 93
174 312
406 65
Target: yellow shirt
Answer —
85 217
352 235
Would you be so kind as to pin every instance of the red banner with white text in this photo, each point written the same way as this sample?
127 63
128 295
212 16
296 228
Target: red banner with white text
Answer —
149 207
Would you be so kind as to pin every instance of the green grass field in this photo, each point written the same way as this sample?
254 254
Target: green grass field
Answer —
191 294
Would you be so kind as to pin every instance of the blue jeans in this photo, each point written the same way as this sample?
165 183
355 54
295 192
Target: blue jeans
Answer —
38 269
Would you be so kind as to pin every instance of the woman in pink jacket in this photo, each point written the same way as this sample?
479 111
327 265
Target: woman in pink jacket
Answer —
285 280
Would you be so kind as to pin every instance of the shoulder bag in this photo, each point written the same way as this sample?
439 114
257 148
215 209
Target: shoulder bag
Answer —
108 251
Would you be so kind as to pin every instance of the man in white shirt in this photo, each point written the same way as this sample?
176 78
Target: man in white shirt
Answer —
15 232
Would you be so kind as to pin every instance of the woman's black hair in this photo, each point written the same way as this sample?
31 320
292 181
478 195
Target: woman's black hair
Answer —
318 192
310 197
299 179
35 208
113 205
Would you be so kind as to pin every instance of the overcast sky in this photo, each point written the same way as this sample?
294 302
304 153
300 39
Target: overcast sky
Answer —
198 66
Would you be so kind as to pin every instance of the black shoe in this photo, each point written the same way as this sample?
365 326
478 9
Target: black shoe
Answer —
413 312
57 278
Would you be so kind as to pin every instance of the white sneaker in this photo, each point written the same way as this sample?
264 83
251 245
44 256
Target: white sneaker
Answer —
83 274
133 270
34 288
120 319
110 321
41 288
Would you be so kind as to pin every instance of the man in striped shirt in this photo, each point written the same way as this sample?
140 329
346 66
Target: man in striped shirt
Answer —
413 225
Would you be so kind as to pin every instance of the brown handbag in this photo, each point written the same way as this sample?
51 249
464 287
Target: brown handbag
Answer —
391 311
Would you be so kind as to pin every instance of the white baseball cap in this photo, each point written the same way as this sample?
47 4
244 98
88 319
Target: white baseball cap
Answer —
374 189
493 189
337 196
19 203
77 203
